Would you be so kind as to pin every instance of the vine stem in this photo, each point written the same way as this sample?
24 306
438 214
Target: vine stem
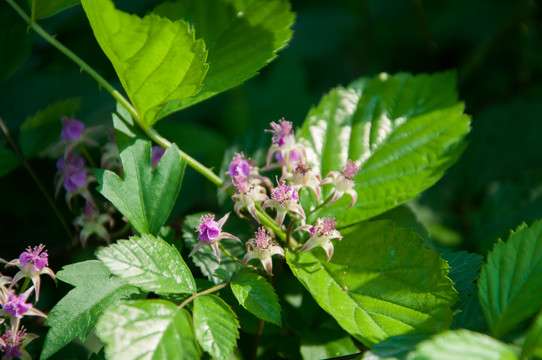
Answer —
208 291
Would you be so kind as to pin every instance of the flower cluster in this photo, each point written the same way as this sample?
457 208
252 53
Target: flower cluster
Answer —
15 306
255 194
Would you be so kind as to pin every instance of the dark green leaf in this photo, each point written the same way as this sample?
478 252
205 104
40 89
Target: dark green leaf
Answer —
256 295
8 160
464 271
156 60
395 347
215 325
510 283
324 343
147 329
45 8
533 343
144 197
242 37
15 41
404 130
76 314
380 282
149 263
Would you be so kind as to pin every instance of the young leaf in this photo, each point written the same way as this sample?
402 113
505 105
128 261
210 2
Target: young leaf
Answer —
510 285
464 345
43 128
45 8
256 295
380 282
156 60
77 312
8 160
242 37
404 130
147 329
532 347
216 326
144 197
149 263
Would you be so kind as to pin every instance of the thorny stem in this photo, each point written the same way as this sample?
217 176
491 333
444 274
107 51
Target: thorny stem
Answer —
208 291
36 179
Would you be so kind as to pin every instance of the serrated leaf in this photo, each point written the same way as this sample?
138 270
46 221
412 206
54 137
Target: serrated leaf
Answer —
45 8
242 37
533 343
215 325
325 343
205 257
43 128
149 263
15 41
144 197
256 295
380 282
464 271
404 130
462 345
75 315
510 285
8 160
395 347
156 60
147 329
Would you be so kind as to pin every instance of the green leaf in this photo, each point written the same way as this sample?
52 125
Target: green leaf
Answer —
43 128
45 8
147 329
404 130
395 347
325 343
380 282
76 313
144 197
533 343
149 263
8 160
242 37
216 326
462 345
464 272
256 295
15 41
510 283
156 60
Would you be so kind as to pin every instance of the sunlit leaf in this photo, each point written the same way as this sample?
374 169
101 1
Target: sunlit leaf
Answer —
395 347
45 8
324 343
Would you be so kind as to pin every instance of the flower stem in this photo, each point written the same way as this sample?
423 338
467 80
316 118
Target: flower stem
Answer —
233 257
208 291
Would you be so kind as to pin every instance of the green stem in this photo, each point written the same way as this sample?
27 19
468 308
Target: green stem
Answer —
87 155
208 291
233 257
326 201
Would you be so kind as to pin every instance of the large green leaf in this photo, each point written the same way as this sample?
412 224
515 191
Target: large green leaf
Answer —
43 128
462 345
242 37
404 130
76 314
380 282
157 60
149 263
144 197
510 285
256 295
147 329
533 343
45 8
216 326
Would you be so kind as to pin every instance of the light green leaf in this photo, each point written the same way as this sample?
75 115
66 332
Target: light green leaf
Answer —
404 130
8 160
325 343
147 329
76 314
149 263
216 326
380 282
15 41
156 60
256 295
144 197
43 128
533 342
462 345
242 37
45 8
510 285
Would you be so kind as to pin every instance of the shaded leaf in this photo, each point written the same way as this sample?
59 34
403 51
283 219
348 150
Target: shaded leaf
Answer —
149 263
147 329
395 347
75 315
8 160
380 282
532 347
45 8
15 41
156 60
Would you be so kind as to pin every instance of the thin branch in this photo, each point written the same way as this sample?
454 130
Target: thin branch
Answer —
208 291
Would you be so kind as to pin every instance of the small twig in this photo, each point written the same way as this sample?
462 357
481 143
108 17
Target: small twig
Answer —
208 291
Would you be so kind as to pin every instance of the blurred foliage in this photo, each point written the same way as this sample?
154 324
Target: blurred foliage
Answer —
494 45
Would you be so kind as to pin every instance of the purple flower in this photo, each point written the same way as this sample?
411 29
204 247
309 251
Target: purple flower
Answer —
72 172
239 166
262 247
72 129
280 131
302 176
248 193
210 233
156 154
284 145
321 234
13 342
15 306
343 182
284 198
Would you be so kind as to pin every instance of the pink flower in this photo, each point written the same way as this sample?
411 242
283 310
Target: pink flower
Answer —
320 235
284 144
239 166
343 182
302 176
72 172
247 194
12 344
263 248
15 306
210 233
284 198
